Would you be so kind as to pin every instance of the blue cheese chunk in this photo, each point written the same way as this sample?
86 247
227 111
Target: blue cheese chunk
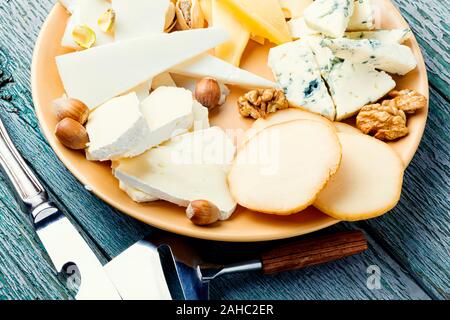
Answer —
300 29
393 36
353 85
363 16
390 57
329 17
324 56
297 73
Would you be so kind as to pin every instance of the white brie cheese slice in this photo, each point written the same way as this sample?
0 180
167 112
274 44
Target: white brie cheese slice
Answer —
87 12
209 66
192 166
115 128
330 17
297 73
135 194
390 57
101 73
168 112
143 90
363 16
201 116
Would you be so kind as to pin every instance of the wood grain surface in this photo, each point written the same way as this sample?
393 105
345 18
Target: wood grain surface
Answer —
409 246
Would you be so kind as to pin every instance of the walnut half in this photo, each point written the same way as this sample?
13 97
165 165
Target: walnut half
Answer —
406 100
260 102
384 122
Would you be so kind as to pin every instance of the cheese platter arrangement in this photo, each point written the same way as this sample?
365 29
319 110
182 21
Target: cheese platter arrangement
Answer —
233 120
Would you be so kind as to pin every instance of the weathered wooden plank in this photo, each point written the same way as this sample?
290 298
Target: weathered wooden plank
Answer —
417 231
430 22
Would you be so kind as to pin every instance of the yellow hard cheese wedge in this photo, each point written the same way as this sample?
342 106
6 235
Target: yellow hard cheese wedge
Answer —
263 17
232 50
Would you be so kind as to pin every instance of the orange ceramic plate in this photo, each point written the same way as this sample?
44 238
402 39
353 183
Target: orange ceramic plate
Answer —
244 225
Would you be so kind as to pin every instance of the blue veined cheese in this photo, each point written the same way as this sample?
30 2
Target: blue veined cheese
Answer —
298 74
390 57
323 55
353 85
329 17
300 29
363 16
393 36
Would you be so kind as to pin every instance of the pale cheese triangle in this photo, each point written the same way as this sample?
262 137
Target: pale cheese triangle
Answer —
190 167
101 73
209 66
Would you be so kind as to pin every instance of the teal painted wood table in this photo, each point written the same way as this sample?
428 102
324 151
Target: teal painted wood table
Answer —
408 246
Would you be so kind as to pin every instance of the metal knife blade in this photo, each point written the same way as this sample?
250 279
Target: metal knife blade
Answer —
65 246
159 267
138 273
60 238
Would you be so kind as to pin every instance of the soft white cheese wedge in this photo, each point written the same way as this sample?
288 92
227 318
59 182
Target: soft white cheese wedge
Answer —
142 91
101 73
362 17
297 73
201 116
86 12
135 194
299 28
390 57
353 85
393 36
115 128
190 167
329 17
210 66
139 18
168 112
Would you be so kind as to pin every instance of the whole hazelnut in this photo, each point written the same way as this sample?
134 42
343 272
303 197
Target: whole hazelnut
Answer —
71 108
72 134
208 92
202 212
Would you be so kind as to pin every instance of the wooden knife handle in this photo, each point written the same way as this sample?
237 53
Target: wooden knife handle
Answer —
309 252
